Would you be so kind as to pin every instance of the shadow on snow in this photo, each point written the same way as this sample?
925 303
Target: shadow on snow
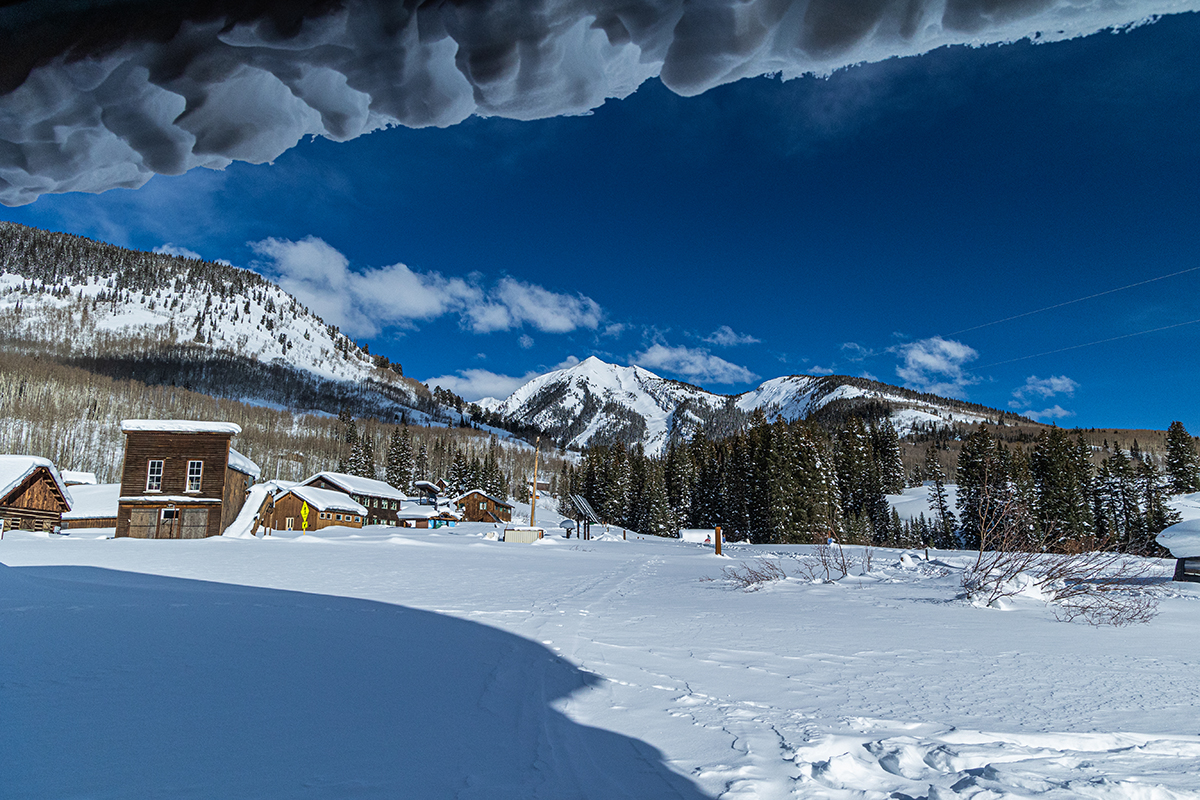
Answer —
116 684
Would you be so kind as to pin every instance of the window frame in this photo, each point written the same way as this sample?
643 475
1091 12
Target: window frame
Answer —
151 485
199 477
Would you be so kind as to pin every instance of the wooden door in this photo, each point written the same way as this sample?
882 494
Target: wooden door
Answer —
142 523
194 524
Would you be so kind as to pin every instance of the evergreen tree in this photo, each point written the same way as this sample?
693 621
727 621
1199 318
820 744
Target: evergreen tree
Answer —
1182 464
944 523
399 468
657 517
1063 483
981 490
421 467
886 446
460 474
679 476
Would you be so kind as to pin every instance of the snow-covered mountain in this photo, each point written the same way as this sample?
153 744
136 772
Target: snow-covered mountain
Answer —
594 402
167 319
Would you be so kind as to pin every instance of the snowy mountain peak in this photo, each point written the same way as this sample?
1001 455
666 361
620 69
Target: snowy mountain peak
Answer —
595 402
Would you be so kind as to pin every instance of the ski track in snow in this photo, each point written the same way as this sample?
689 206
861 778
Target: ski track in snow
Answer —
876 686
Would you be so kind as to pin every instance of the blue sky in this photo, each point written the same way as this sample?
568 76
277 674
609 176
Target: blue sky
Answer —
866 224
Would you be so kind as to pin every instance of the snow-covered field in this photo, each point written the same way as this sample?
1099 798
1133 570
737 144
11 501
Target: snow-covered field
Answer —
430 664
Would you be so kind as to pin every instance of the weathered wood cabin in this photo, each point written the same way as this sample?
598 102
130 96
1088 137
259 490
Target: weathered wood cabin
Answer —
181 479
307 508
478 506
381 500
33 496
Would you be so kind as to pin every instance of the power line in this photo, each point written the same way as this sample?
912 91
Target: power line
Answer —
1072 302
1089 344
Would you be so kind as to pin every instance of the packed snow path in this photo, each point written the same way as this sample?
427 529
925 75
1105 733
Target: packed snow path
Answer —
439 664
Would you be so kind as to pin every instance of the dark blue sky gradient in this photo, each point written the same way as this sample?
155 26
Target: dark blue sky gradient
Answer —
890 203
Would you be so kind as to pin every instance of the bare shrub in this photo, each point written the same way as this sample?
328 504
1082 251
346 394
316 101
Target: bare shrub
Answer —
833 560
751 577
1090 581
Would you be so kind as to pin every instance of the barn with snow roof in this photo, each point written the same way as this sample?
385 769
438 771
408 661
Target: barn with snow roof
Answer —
181 479
33 496
381 500
307 508
479 506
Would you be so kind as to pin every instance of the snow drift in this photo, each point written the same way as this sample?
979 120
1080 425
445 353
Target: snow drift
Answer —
105 94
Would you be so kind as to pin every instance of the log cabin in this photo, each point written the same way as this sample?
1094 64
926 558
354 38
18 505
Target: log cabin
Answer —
307 508
33 496
478 506
381 500
180 479
93 506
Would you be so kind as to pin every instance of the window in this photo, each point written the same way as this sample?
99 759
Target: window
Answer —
154 477
170 513
195 470
483 506
393 505
358 519
291 523
376 502
338 517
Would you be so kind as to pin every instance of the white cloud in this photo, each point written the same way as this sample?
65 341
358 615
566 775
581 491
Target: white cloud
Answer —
363 302
514 303
725 336
936 365
694 363
1057 412
474 384
853 351
1042 388
614 329
815 370
526 341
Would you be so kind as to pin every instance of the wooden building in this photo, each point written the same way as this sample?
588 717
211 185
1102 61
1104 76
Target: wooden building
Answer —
381 500
478 506
93 506
180 479
423 515
33 496
307 508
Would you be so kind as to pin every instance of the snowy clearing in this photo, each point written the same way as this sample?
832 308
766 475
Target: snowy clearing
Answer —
410 663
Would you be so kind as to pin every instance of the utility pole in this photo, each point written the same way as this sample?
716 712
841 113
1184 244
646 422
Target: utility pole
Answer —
533 494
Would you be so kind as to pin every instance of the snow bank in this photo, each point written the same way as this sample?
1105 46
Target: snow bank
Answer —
242 526
1182 539
91 502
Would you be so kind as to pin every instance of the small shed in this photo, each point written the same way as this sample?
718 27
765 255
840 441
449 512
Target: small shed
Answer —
307 508
76 478
478 506
523 535
33 496
1183 540
418 515
93 506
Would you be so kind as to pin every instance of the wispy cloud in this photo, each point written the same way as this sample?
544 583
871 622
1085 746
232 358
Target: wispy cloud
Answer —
694 363
363 302
726 336
936 365
1036 387
853 351
1057 412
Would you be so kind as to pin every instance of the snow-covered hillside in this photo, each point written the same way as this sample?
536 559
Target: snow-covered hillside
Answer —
383 663
597 401
75 298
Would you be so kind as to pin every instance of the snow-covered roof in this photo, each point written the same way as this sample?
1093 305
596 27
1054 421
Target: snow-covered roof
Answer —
15 469
1182 538
353 484
493 498
179 426
91 502
417 511
326 500
74 478
170 499
239 462
427 486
